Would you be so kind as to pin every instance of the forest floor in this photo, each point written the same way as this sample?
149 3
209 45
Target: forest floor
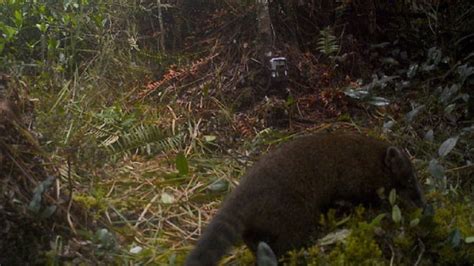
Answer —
148 170
230 115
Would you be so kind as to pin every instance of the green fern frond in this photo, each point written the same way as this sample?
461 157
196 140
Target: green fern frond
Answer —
142 139
327 43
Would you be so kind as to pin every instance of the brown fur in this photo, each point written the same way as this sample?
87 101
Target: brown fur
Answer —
281 197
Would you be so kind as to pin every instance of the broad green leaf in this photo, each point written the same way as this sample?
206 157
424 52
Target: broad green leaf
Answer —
392 197
469 240
53 44
455 238
450 108
376 221
105 238
8 31
447 146
35 204
209 138
396 214
42 9
290 101
43 27
448 93
414 222
379 101
412 70
389 61
334 237
465 71
18 18
265 255
436 170
429 136
343 221
381 193
182 164
413 113
219 186
388 125
356 94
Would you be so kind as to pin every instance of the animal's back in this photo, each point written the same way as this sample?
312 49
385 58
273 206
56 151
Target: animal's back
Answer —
286 190
280 198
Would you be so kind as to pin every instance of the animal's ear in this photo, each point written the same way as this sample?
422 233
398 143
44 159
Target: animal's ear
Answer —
393 158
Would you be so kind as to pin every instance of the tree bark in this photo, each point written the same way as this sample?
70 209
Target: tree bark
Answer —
162 28
264 25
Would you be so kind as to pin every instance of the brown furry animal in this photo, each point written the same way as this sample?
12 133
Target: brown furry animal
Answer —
281 197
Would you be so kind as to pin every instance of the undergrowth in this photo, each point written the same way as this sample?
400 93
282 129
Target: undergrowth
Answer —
152 169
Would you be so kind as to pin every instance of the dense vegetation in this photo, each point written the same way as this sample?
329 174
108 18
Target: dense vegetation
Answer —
124 123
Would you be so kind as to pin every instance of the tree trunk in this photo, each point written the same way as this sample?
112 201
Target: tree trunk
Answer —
162 28
265 38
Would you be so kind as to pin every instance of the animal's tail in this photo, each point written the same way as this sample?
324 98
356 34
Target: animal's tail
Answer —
224 231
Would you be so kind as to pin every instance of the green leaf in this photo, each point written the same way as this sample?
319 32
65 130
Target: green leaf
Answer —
379 101
290 101
455 238
210 138
381 193
376 221
105 239
464 72
53 44
392 197
356 94
265 255
18 18
450 108
8 31
388 125
469 240
436 170
182 164
429 136
396 214
448 93
35 203
412 70
43 27
219 186
42 9
343 221
334 237
447 146
410 116
414 222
